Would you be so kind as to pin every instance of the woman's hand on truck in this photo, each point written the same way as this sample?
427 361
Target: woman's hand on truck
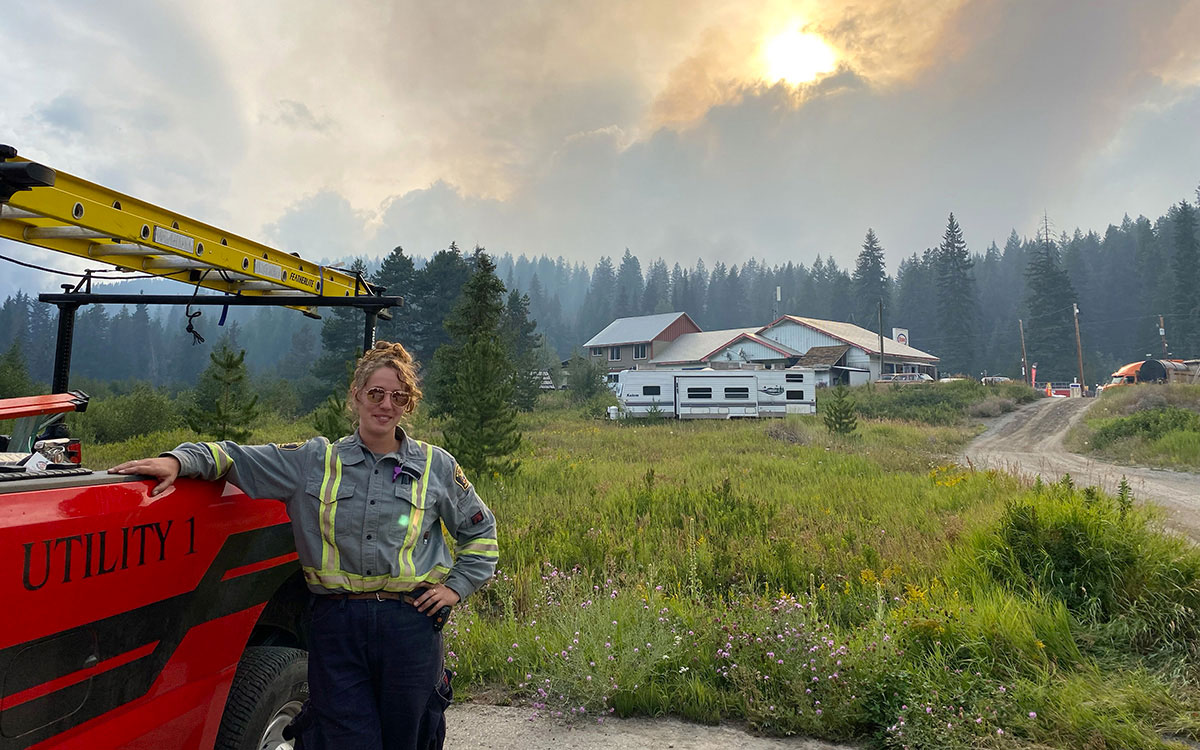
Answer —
164 469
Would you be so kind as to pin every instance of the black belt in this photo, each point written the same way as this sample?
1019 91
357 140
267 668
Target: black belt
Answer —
376 596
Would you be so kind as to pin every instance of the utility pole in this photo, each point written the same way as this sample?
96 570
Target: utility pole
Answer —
1079 348
881 358
1024 361
1162 333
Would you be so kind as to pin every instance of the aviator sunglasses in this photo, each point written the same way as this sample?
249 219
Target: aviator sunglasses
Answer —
375 396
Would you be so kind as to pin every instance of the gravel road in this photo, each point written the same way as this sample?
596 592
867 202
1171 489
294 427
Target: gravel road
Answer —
1029 441
479 727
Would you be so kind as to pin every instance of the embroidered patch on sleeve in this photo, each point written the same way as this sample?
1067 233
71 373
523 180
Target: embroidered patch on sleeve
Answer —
461 478
477 517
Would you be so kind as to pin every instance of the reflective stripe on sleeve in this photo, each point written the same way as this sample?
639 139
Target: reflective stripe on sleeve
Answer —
330 561
481 547
222 460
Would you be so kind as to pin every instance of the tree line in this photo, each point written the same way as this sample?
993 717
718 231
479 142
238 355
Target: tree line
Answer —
960 303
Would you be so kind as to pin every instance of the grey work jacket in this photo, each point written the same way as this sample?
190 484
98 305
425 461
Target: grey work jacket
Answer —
364 524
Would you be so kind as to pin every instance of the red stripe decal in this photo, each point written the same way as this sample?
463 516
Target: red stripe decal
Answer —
37 691
246 570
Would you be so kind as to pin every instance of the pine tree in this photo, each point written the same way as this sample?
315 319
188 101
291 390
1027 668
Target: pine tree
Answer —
224 407
482 431
1185 306
1049 328
838 412
14 377
870 284
341 342
522 338
629 286
398 276
957 302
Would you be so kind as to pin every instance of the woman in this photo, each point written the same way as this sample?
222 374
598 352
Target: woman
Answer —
365 515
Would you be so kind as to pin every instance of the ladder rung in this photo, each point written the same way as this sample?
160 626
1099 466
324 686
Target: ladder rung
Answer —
121 248
8 212
265 286
64 233
176 263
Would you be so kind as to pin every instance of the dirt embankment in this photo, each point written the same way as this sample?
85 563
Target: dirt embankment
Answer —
1029 441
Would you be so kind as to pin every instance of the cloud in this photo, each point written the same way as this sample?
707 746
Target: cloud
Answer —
582 128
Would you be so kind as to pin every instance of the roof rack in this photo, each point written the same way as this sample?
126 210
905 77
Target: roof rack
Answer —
57 211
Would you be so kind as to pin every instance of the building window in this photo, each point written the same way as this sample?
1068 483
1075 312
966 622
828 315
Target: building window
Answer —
597 351
639 351
795 377
651 390
614 353
737 393
699 392
795 395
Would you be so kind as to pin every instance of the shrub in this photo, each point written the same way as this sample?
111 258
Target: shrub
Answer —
144 410
1151 423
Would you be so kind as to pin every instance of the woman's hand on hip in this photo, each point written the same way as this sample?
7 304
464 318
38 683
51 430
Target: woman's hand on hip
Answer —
164 469
435 597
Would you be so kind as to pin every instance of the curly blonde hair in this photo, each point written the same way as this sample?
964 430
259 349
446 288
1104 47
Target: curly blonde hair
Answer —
395 356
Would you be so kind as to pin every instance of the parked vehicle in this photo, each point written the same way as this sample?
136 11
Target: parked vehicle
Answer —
131 620
714 394
903 378
1156 371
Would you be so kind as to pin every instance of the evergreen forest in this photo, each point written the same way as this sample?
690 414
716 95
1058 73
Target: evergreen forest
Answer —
958 301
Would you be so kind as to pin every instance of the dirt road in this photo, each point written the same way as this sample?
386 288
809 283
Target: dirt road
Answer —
478 727
1028 441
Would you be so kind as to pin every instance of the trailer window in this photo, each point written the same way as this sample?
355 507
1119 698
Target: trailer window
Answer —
737 393
651 390
795 395
699 392
795 377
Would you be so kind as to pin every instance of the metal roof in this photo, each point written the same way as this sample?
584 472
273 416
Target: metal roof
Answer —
695 347
634 330
854 335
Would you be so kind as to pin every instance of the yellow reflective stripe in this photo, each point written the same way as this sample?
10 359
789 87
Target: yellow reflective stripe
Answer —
222 460
340 579
481 547
328 509
407 566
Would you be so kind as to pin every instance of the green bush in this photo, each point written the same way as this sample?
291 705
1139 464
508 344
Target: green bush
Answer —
144 410
938 403
1151 423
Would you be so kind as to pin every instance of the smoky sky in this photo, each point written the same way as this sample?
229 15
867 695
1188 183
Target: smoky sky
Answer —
580 129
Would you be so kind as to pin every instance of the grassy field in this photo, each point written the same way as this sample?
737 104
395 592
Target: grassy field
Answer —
1148 425
849 588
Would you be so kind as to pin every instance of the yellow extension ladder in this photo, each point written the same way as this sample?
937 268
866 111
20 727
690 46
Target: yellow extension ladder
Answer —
58 211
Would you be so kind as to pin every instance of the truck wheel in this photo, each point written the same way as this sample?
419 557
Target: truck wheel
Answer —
268 690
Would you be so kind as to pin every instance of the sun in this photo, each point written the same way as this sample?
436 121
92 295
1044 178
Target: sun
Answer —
796 57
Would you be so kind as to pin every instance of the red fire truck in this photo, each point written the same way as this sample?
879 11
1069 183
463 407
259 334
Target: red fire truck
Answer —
134 621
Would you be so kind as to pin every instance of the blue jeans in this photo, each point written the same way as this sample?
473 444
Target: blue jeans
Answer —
373 668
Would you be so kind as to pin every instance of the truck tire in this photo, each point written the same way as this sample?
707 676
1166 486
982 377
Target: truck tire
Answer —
268 691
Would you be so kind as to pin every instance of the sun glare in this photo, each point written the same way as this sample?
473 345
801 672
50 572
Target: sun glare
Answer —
796 57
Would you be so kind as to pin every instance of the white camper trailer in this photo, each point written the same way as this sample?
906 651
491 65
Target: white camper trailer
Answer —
714 394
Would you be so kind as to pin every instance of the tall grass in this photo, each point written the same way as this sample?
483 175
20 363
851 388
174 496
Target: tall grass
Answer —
1154 425
845 588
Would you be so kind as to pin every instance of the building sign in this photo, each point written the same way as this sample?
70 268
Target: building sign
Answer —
900 335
